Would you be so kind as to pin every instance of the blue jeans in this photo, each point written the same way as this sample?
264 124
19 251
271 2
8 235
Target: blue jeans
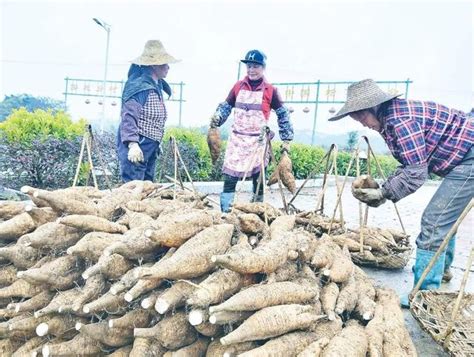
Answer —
142 170
447 204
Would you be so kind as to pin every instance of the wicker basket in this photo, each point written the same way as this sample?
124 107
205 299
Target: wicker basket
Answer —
433 310
397 259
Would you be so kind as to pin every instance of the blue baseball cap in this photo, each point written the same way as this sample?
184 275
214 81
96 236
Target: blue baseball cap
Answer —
255 56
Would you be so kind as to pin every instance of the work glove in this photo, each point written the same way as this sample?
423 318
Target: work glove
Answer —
135 154
372 196
215 121
285 147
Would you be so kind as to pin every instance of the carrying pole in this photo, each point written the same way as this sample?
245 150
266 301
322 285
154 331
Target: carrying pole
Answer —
441 248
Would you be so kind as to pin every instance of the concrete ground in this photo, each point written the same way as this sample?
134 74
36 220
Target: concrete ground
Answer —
410 208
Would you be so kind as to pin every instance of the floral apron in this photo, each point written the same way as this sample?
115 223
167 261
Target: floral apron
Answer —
243 155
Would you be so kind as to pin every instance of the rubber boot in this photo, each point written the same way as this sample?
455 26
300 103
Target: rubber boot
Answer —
433 279
448 261
226 201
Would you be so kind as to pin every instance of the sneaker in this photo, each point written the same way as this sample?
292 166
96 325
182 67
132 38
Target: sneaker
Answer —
447 276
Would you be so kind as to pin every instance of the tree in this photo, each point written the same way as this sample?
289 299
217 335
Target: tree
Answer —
30 103
352 139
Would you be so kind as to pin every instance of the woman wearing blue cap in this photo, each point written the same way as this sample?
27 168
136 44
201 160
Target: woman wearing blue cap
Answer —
252 99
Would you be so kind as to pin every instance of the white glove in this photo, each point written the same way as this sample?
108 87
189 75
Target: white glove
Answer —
372 196
135 154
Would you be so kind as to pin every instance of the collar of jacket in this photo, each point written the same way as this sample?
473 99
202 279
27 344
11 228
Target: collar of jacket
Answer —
260 87
141 83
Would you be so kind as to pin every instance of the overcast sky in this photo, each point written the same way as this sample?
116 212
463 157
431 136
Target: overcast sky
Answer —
430 42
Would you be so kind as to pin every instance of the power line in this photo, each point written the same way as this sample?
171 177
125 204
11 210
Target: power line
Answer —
60 63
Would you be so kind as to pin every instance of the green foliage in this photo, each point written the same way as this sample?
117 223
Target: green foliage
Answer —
193 149
47 163
51 163
41 149
84 174
306 159
30 103
24 127
387 164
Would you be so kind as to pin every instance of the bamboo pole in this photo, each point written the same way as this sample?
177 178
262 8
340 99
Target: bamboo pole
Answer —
442 247
187 188
324 189
448 333
262 179
361 218
280 186
379 169
79 162
339 191
89 158
175 166
185 168
311 174
339 196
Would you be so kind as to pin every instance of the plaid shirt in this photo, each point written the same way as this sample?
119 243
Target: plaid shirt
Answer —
419 133
151 122
143 114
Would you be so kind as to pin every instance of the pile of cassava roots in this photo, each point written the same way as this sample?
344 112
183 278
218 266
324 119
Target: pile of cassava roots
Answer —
141 270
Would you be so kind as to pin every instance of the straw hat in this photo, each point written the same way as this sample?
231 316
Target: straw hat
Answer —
363 95
154 53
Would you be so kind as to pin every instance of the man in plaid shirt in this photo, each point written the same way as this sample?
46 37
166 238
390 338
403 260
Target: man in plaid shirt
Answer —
425 137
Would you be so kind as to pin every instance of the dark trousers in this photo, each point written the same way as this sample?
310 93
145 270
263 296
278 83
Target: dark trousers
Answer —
230 182
141 170
447 204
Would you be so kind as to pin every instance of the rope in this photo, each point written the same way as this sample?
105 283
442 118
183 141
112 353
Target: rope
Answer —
101 161
322 194
311 174
321 208
339 195
89 158
272 155
361 218
78 167
88 142
448 333
163 161
379 169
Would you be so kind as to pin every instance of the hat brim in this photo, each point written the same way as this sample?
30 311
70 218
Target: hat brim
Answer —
163 59
349 108
247 61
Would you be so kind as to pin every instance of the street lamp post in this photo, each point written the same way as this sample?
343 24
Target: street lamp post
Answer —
106 27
